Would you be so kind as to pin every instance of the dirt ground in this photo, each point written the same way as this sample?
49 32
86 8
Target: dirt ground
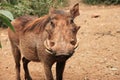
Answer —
96 58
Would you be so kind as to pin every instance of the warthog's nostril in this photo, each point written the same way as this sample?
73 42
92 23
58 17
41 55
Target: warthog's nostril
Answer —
52 44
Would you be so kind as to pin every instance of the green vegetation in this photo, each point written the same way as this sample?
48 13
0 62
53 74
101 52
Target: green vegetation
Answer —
30 7
106 2
5 17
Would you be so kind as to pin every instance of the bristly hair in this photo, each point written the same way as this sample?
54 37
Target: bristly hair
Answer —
37 25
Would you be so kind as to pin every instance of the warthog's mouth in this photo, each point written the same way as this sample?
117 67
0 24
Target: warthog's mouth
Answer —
50 51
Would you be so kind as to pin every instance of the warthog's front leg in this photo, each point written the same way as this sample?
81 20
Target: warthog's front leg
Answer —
17 58
25 66
48 72
59 70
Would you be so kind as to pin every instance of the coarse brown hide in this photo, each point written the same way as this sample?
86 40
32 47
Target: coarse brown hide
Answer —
49 39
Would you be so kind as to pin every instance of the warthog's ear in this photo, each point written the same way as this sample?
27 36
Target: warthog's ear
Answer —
75 11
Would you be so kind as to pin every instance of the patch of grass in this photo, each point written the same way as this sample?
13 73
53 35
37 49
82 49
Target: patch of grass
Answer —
31 7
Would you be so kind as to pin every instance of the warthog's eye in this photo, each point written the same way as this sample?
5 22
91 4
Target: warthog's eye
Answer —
71 21
74 30
52 24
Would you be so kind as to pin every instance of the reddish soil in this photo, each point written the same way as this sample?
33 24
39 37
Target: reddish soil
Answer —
96 58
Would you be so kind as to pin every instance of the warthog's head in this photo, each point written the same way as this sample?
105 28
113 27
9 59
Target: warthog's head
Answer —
62 32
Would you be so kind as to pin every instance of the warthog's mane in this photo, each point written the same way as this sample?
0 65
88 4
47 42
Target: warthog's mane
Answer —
31 23
37 24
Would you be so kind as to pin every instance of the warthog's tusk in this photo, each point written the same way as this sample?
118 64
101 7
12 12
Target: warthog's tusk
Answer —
76 45
46 44
48 50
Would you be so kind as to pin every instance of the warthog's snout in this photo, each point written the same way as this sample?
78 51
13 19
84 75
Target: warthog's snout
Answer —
60 51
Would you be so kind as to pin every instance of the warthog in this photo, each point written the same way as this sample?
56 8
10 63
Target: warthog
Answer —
48 39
